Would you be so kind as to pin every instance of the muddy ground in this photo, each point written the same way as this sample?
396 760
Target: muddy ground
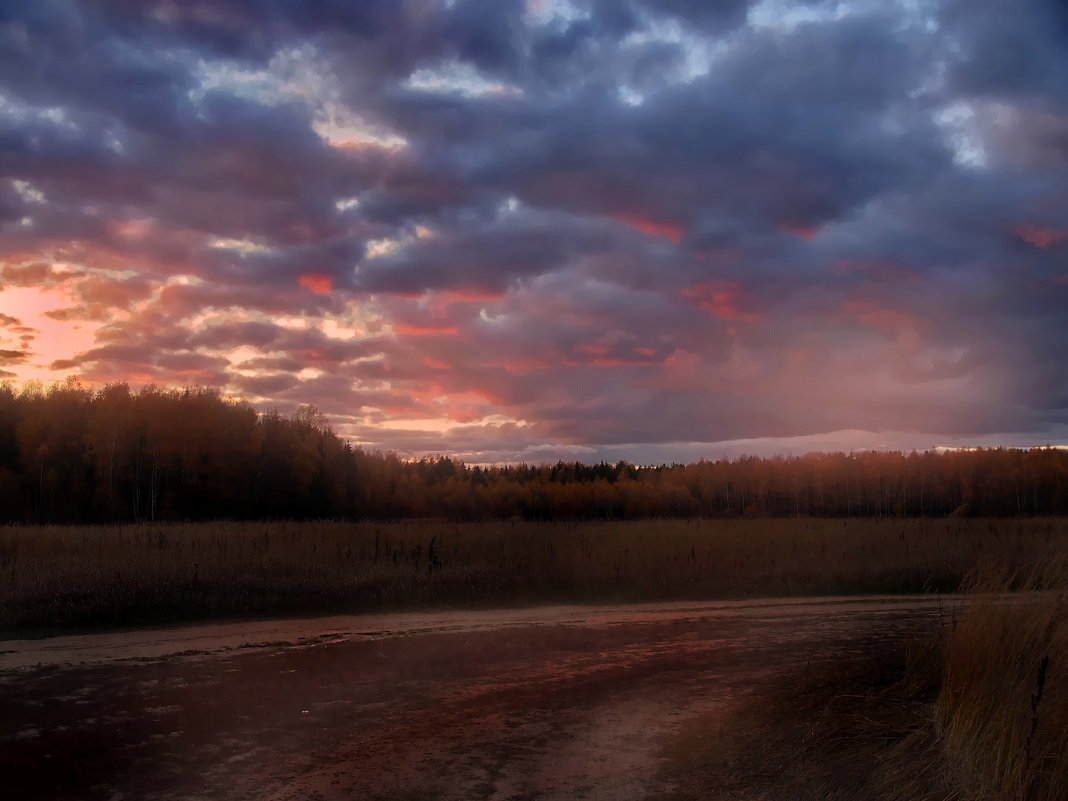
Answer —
548 703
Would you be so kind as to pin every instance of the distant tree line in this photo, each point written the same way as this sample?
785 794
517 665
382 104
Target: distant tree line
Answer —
70 454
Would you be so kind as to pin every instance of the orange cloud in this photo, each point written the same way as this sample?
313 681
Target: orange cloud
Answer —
317 282
724 299
1040 237
649 227
422 331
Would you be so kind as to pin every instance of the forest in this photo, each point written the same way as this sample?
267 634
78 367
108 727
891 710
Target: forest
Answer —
72 454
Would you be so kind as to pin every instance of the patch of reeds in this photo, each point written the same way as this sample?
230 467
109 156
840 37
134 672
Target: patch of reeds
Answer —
54 578
822 730
977 711
1002 715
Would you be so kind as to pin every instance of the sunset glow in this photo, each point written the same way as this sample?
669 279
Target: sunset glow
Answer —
37 338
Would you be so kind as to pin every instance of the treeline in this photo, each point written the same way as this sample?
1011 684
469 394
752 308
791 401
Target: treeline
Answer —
70 454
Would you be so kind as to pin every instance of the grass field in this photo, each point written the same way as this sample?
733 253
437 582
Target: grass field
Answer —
56 578
1002 714
976 712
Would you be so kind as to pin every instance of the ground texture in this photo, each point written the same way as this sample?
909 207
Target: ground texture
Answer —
553 703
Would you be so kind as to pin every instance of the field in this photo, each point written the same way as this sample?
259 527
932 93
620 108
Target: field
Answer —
978 711
70 578
1002 712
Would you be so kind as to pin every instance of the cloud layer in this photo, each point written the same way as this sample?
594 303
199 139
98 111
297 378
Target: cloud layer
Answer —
546 229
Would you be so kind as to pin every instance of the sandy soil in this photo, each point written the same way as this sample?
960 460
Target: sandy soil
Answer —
547 703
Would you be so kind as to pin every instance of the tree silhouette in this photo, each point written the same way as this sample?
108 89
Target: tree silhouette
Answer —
69 454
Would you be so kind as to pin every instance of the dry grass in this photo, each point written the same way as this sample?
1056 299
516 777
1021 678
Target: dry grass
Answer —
1003 711
977 712
826 731
65 578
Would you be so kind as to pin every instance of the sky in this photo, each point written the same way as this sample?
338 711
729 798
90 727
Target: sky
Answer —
531 230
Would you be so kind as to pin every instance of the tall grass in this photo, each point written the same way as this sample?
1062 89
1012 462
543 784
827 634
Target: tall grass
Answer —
1003 709
68 577
976 710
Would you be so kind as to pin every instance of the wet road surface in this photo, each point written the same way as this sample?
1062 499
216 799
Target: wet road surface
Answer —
545 703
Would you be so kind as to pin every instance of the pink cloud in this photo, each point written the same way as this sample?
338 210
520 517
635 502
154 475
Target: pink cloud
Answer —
650 227
37 274
318 283
725 299
1040 237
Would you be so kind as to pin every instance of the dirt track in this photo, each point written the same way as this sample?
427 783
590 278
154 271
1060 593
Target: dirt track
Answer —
549 703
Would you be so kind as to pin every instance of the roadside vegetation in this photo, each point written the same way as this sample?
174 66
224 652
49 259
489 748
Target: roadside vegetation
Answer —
978 711
64 578
1002 714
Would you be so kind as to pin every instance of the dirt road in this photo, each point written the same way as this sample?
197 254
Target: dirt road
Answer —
547 703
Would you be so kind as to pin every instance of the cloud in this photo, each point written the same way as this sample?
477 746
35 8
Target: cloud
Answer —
521 231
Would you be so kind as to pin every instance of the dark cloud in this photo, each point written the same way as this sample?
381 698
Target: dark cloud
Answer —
1015 48
481 256
265 385
711 17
